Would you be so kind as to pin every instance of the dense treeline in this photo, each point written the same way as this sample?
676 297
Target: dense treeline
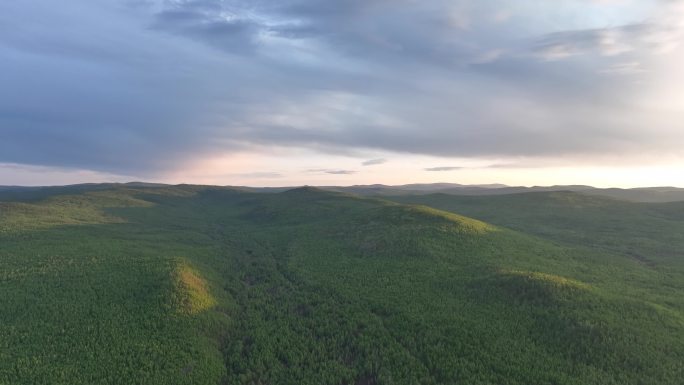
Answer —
198 285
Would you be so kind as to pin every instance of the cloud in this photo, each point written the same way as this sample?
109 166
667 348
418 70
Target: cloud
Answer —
443 168
558 50
144 89
211 22
373 162
650 38
332 171
628 68
260 174
340 172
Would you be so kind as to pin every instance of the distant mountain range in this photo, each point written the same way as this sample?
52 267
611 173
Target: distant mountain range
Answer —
641 194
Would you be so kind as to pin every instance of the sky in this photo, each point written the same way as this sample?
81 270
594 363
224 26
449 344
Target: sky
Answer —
325 92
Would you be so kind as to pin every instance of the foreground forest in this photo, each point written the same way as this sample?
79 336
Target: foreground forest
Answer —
136 284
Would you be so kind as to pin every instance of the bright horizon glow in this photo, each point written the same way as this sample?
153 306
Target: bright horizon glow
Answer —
292 171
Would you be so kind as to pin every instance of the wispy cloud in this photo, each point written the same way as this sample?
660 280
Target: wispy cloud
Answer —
628 68
333 171
642 38
258 174
443 168
373 162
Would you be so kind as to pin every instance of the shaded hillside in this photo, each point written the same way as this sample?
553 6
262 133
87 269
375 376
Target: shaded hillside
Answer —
205 285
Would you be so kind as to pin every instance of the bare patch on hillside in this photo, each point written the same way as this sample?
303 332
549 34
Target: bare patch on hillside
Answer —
191 292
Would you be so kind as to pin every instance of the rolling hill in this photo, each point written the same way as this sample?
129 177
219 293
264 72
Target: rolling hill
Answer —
650 232
148 284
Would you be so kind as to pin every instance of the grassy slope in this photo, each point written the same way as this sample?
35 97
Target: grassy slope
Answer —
190 285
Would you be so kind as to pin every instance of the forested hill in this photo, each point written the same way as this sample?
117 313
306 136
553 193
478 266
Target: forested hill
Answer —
651 232
203 285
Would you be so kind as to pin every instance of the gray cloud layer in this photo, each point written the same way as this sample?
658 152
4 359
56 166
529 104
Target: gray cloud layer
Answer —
143 86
